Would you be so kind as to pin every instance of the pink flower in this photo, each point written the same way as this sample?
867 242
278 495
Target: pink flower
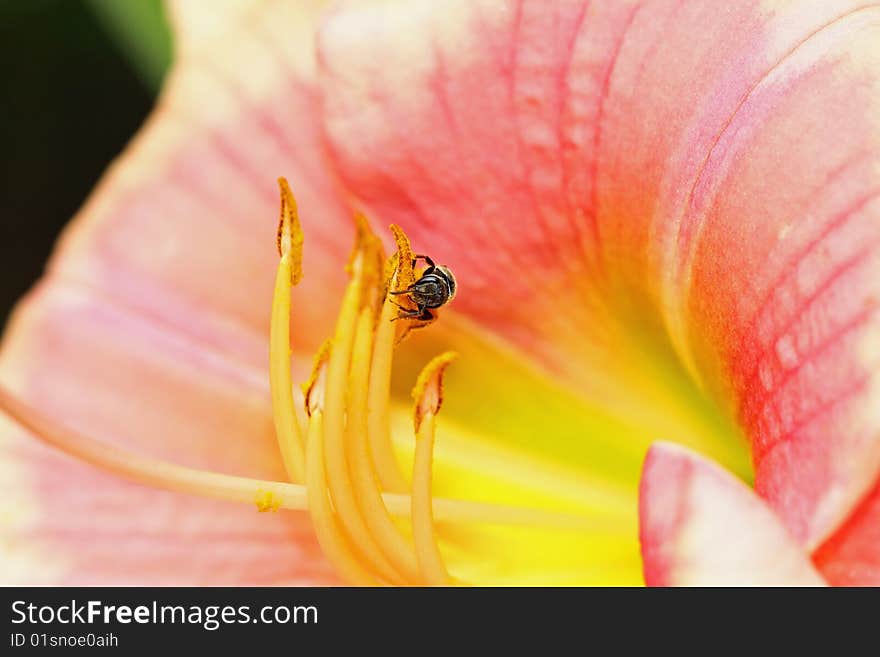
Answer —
663 217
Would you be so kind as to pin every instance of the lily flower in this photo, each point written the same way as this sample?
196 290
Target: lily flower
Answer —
664 222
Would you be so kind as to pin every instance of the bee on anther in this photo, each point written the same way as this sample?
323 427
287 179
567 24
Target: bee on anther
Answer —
435 288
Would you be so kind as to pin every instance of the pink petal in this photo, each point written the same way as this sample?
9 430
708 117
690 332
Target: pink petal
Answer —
151 327
701 526
779 273
851 557
182 228
112 375
601 172
475 131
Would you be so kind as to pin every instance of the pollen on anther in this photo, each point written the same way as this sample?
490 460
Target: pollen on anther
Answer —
400 264
266 501
313 388
290 234
428 391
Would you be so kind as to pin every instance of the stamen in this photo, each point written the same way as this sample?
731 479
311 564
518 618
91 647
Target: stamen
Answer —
401 277
191 481
400 265
427 550
146 470
399 274
290 243
290 234
428 390
330 536
369 247
378 412
327 527
334 421
428 396
399 551
313 389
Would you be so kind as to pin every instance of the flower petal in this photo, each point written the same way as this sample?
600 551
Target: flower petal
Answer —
182 228
778 271
701 526
150 328
476 132
118 378
851 557
652 189
455 132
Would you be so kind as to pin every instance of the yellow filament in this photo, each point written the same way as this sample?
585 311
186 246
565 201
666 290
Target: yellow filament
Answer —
334 427
280 380
427 551
378 414
369 498
192 481
428 397
398 274
146 470
330 536
289 272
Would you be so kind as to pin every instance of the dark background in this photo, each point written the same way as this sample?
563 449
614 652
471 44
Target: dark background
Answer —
70 101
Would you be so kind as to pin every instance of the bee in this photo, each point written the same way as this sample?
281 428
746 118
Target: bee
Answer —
435 288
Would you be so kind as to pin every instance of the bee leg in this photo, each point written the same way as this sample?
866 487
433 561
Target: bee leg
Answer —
406 313
428 262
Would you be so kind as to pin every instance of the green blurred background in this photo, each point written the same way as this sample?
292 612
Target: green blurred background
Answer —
79 78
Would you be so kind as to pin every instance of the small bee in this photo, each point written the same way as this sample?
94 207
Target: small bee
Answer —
435 288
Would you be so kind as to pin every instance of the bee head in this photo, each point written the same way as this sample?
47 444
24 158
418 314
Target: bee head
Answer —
447 274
